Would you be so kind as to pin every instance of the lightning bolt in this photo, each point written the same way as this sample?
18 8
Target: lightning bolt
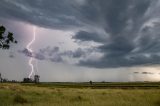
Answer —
30 62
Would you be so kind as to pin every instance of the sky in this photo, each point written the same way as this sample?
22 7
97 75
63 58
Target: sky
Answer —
82 40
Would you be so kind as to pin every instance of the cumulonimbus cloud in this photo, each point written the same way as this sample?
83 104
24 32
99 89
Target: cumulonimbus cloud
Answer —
128 30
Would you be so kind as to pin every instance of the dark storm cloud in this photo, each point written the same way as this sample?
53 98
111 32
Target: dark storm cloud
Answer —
136 72
87 36
133 35
128 30
51 13
147 73
78 53
143 73
39 56
56 58
26 52
54 54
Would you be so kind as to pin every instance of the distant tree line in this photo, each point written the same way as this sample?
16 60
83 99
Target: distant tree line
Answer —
4 80
25 80
29 80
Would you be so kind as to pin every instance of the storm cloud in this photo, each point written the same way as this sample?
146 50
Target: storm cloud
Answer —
54 54
132 29
127 30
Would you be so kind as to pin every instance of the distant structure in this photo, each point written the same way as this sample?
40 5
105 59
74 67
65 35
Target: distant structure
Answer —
36 78
0 78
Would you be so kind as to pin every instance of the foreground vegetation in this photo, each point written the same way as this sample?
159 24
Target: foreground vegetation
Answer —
80 94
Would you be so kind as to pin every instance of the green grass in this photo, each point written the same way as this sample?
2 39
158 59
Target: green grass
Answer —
79 94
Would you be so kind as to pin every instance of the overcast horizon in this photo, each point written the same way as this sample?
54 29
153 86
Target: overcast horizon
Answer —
82 40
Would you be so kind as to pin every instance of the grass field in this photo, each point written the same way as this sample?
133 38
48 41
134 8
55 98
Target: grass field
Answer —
80 94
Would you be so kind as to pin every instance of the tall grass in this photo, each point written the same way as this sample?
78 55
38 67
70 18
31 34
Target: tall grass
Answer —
20 99
18 95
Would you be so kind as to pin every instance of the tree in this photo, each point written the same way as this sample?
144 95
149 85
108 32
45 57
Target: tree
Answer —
36 78
6 38
27 80
0 78
90 82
